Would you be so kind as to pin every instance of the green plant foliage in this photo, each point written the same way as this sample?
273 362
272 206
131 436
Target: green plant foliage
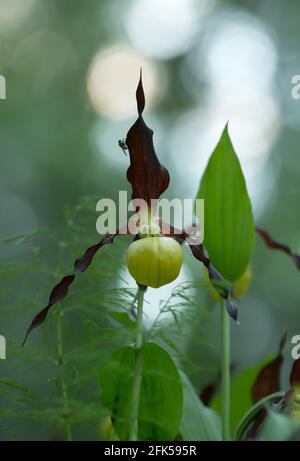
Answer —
123 318
198 421
251 414
240 394
96 319
161 398
116 381
31 399
229 229
161 395
278 427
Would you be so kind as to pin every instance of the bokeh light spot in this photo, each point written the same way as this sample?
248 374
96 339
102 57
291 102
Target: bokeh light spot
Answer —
112 81
166 28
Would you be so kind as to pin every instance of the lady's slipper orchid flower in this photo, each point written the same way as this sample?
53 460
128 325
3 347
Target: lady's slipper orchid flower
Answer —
155 257
239 288
154 261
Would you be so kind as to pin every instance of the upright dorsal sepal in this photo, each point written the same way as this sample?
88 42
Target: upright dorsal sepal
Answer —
140 95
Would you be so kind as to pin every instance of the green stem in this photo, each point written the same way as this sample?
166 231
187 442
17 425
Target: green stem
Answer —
63 385
138 370
225 346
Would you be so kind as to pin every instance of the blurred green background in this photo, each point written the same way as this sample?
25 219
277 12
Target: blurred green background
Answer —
71 69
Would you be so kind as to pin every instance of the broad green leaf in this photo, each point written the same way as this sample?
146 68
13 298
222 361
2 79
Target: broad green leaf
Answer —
161 401
278 427
198 421
161 397
116 377
240 394
228 222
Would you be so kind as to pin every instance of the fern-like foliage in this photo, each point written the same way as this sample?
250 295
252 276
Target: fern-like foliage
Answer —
49 389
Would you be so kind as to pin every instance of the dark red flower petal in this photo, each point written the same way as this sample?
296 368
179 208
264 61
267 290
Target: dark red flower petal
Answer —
267 383
61 289
271 243
216 279
198 251
268 379
148 178
208 392
295 375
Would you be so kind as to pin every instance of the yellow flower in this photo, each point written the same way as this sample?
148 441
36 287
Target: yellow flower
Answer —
107 428
240 286
295 413
154 261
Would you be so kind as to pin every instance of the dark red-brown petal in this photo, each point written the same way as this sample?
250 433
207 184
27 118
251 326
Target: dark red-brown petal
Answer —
216 279
208 392
268 379
60 290
198 251
148 178
295 375
81 264
267 383
273 244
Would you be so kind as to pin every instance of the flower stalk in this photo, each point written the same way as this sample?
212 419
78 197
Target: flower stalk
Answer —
138 370
225 386
63 385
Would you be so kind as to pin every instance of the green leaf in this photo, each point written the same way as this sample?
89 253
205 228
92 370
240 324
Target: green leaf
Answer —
228 224
161 401
199 423
116 377
161 397
278 427
250 416
122 317
19 239
22 393
240 393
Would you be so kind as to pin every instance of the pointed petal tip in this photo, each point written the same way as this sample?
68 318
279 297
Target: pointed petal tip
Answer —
60 290
232 311
140 95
